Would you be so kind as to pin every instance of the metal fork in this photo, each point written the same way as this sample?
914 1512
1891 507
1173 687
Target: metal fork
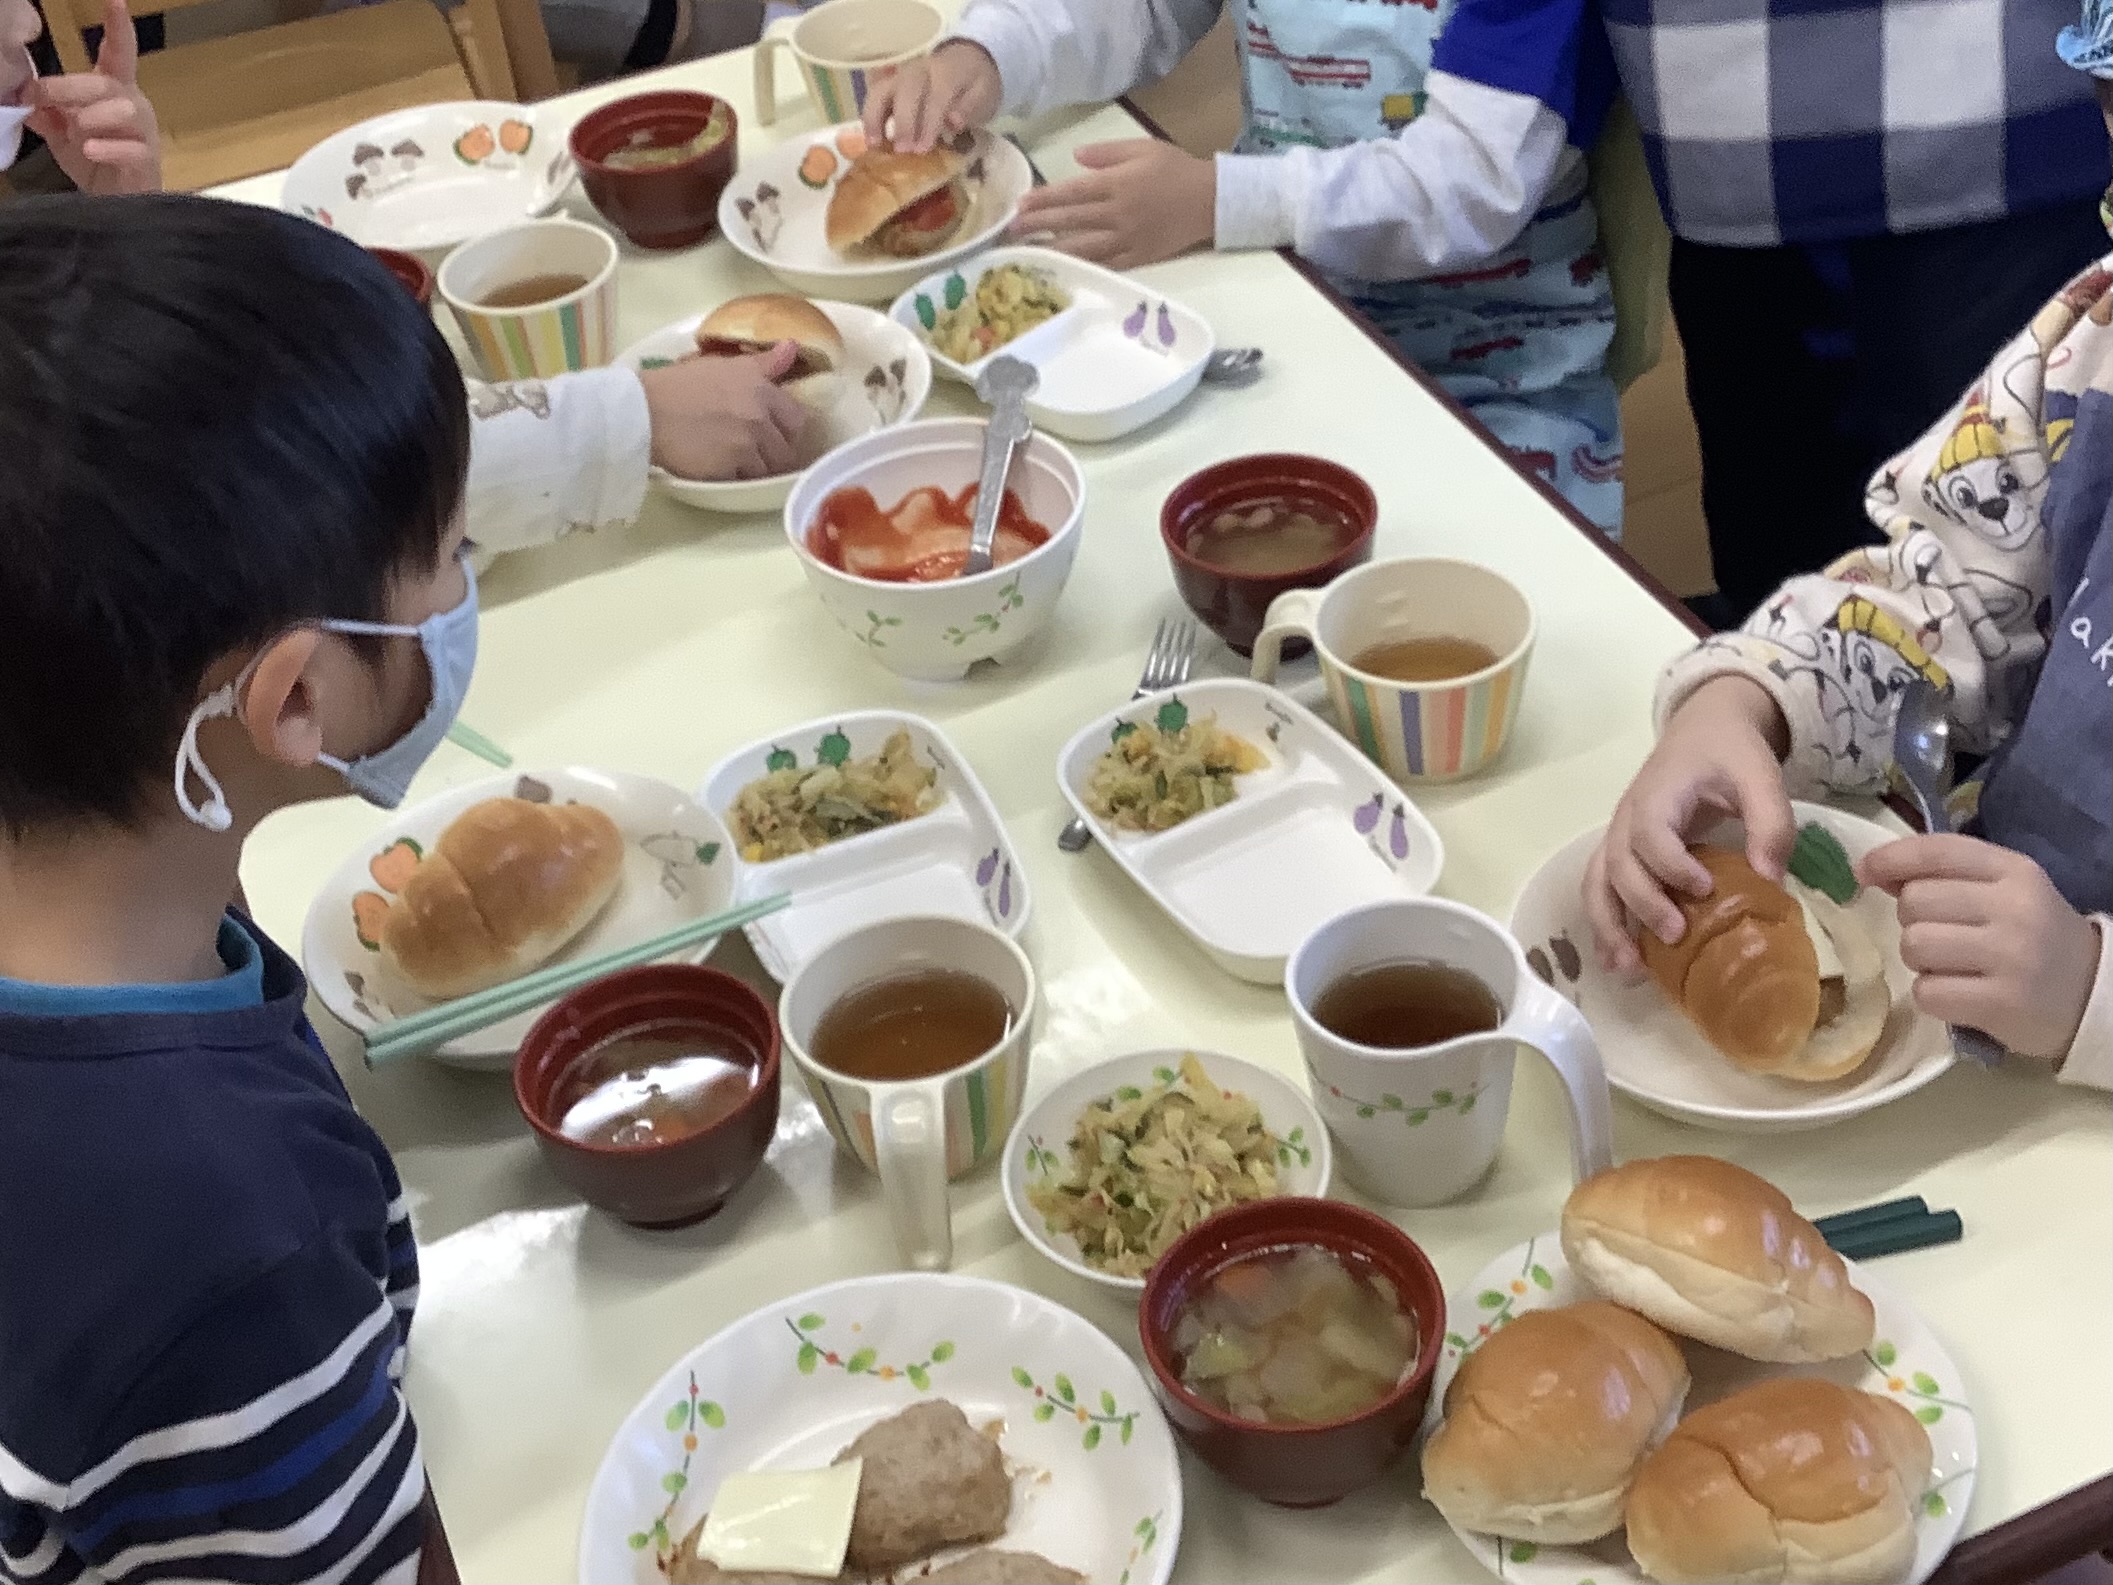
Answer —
1167 665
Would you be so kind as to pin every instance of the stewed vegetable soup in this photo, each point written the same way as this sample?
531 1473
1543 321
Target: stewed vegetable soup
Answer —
1295 1336
1275 534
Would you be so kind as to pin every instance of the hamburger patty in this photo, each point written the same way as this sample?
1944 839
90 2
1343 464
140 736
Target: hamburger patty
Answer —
931 1480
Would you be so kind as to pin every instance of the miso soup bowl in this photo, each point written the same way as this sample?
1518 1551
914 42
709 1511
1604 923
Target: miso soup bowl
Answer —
934 632
1230 603
667 206
1294 1466
682 1180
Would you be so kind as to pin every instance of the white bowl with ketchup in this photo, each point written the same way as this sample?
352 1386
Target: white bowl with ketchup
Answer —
881 527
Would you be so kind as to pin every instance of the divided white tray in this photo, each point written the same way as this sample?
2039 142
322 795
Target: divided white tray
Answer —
1318 830
956 860
1120 356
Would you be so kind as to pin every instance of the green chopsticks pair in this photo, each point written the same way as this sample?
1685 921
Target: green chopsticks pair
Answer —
1890 1228
465 1015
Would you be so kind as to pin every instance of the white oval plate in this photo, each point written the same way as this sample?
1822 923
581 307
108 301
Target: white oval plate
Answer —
1117 358
1656 1056
425 179
956 860
678 865
1905 1361
776 217
1318 830
1040 1146
1096 1487
886 377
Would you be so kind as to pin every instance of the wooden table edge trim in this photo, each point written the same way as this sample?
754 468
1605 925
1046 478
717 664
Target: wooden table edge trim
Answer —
1570 514
2068 1527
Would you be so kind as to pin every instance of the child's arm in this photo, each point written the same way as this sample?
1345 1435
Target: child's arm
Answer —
268 1442
98 124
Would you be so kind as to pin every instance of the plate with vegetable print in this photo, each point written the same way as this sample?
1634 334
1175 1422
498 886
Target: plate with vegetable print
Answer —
1246 817
1656 1056
1905 1362
424 179
1084 1476
677 865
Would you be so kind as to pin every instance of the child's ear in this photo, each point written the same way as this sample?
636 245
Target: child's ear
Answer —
279 710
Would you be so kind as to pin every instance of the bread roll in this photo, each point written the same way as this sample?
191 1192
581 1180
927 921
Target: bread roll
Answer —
879 185
1710 1251
759 322
1546 1423
1744 970
1796 1480
508 884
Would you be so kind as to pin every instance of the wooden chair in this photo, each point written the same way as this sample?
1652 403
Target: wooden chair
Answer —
253 102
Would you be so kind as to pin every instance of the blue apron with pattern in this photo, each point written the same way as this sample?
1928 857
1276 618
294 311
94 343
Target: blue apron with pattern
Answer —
1521 339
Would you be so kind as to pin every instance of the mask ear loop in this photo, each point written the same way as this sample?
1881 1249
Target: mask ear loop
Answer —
214 813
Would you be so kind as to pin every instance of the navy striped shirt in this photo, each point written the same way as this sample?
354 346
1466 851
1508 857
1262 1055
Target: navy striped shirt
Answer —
206 1283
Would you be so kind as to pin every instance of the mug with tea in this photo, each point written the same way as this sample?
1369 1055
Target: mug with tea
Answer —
1424 660
536 299
842 48
1410 1013
912 1037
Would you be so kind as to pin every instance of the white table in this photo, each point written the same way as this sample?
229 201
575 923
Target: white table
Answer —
659 648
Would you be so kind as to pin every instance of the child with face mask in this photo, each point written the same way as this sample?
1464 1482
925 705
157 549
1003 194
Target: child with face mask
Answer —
1996 586
231 579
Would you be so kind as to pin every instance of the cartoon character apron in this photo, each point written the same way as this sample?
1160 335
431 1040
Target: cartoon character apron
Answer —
1520 339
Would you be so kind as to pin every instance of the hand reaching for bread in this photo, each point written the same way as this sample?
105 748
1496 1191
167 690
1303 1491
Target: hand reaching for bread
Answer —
1720 754
954 88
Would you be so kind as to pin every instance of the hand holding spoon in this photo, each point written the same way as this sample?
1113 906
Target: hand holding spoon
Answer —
1005 384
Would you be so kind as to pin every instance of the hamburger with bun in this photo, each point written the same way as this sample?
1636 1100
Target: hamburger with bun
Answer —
1797 1479
1779 978
1548 1420
504 888
898 206
1710 1251
749 325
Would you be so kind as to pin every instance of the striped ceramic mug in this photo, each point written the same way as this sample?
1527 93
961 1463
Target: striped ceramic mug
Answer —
916 1133
843 47
536 299
1438 730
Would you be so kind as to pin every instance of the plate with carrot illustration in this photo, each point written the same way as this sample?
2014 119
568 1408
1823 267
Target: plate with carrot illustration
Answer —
677 865
422 180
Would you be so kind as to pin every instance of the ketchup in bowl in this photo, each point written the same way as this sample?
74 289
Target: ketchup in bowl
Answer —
923 538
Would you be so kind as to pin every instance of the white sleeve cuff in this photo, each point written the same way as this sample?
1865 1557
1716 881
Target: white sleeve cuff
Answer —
2090 1058
1258 201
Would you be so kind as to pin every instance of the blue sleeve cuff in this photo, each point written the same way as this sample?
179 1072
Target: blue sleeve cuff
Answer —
1555 51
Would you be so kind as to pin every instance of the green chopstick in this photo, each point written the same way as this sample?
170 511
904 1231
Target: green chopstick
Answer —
1900 1235
465 736
1870 1216
436 1026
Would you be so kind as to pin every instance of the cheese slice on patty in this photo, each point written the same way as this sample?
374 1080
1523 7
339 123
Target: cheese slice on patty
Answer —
783 1521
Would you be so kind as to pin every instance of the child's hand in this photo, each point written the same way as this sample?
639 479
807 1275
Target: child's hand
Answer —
1992 944
98 124
950 90
1139 202
1720 754
725 418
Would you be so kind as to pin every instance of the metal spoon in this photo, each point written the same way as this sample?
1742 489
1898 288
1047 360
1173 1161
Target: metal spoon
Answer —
1232 366
1005 384
1922 750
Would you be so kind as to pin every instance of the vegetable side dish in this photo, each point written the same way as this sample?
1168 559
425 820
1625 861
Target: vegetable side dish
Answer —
1161 772
1008 302
1148 1165
791 810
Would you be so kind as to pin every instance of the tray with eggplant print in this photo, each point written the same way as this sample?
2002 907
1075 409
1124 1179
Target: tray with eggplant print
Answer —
1118 357
954 860
1317 830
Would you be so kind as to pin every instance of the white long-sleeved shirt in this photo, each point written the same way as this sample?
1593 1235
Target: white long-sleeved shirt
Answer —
1449 190
555 457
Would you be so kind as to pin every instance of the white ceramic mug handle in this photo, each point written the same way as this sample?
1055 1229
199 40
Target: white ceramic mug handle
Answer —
1558 1031
1290 615
767 48
909 1147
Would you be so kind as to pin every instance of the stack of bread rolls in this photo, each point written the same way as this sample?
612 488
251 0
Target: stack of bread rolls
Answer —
1565 1424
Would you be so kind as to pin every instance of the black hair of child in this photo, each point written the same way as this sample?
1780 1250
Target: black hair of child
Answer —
216 421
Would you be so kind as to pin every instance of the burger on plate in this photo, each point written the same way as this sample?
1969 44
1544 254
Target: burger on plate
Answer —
756 324
898 206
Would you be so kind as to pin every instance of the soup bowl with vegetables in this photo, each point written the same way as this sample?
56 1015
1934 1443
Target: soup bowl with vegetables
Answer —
1292 1343
1244 531
881 527
655 164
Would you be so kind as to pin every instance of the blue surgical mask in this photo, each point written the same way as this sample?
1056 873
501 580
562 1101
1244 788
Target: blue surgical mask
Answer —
449 641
